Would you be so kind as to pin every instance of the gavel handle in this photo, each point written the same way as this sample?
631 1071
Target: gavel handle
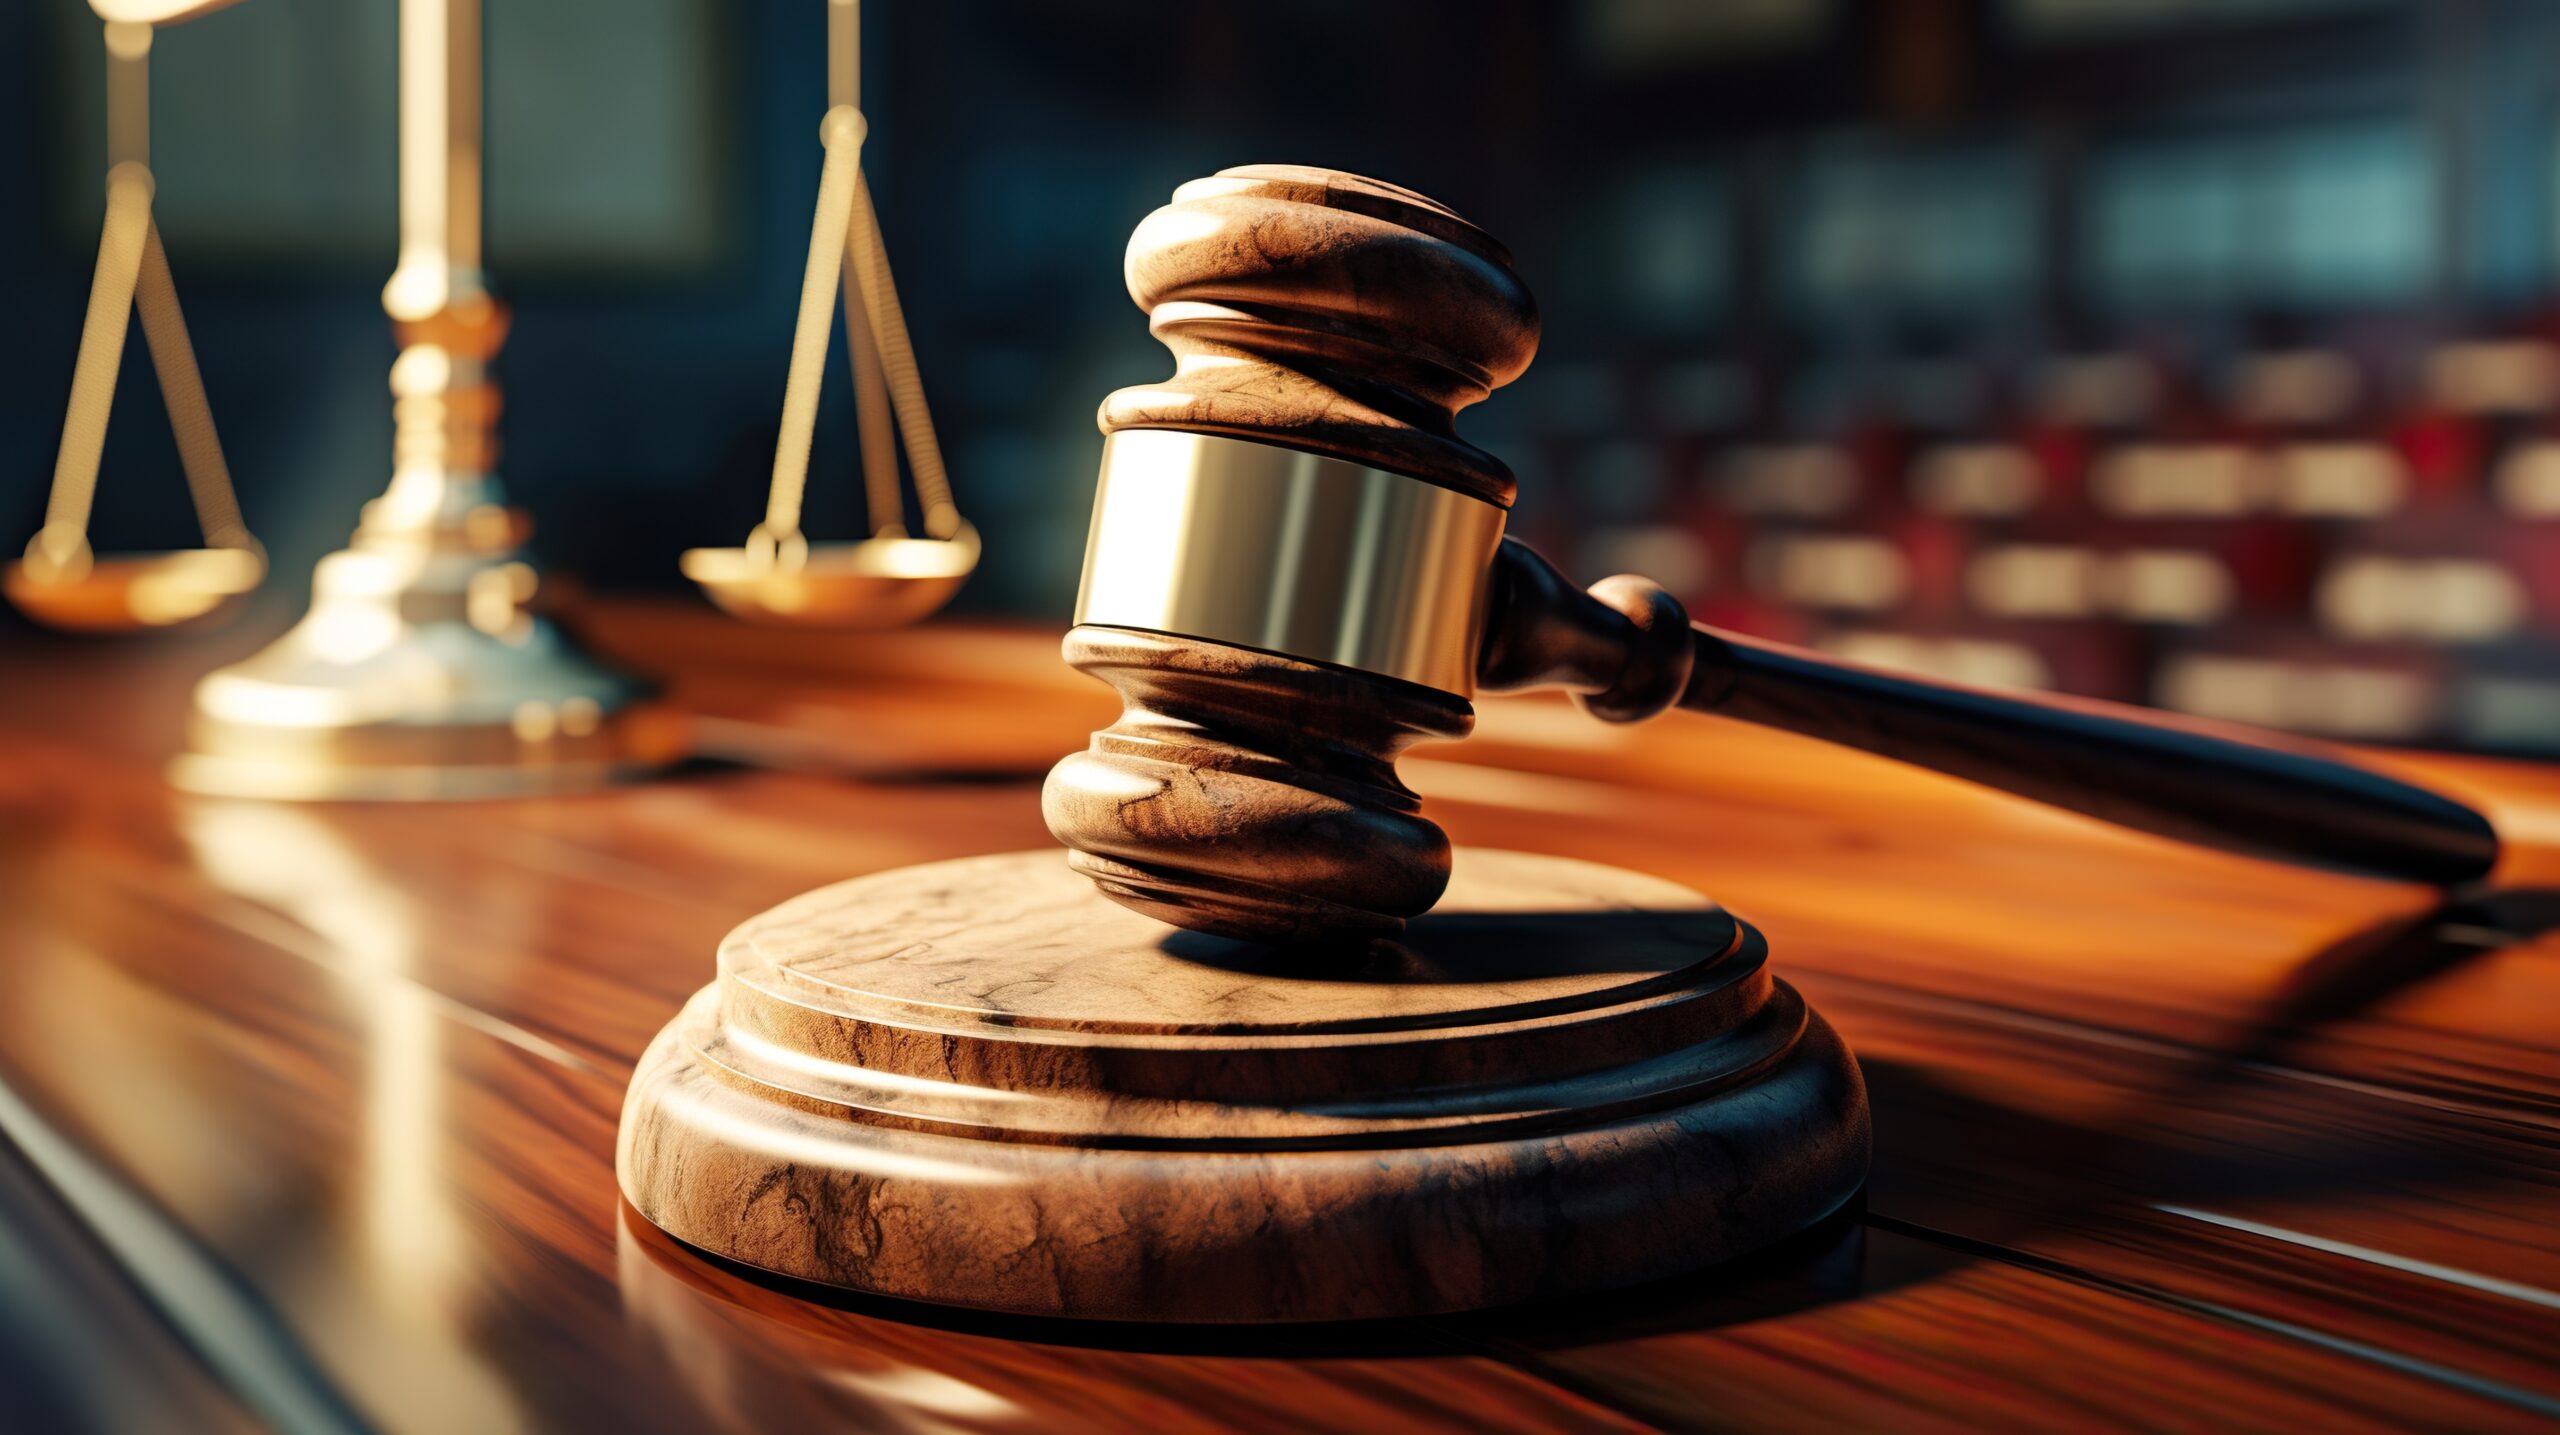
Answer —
1628 651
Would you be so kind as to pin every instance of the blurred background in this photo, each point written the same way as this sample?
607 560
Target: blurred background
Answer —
2195 352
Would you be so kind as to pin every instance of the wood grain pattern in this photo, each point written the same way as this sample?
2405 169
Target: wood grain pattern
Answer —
369 1061
1250 795
1627 651
1330 312
1244 794
982 1083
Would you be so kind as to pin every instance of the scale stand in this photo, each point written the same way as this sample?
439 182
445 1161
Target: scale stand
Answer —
421 670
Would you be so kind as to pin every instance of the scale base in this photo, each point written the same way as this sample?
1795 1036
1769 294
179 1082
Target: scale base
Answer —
982 1083
421 674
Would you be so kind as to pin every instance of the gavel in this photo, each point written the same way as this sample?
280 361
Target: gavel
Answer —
1297 569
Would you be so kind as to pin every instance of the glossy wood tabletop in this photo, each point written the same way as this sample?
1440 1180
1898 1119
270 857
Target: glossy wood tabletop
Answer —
310 1110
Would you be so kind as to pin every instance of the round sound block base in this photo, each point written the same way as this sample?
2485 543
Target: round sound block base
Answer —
981 1083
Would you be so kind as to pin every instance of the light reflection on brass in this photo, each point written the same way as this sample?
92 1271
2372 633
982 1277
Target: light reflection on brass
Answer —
154 12
1289 552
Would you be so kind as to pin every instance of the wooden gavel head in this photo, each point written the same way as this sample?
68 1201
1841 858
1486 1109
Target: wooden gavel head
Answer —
1326 312
1327 328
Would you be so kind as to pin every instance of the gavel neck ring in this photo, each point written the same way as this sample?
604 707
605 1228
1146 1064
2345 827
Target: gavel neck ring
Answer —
1282 551
1289 552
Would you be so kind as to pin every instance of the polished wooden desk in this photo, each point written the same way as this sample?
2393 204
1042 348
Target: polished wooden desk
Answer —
310 1110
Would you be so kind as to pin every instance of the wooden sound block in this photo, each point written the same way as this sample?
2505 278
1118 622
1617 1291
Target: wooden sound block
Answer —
982 1083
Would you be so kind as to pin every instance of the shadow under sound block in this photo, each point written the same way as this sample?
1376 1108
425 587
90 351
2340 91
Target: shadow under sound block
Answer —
983 1083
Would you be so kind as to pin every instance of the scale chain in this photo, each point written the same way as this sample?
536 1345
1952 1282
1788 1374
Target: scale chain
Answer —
841 131
164 327
93 374
898 360
871 408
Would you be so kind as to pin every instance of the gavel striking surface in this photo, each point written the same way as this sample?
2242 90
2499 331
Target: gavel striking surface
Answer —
2164 1137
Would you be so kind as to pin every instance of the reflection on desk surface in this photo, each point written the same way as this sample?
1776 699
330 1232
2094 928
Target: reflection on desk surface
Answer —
311 1109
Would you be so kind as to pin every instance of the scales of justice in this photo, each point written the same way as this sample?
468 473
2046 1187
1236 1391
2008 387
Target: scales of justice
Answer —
1259 1046
424 668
